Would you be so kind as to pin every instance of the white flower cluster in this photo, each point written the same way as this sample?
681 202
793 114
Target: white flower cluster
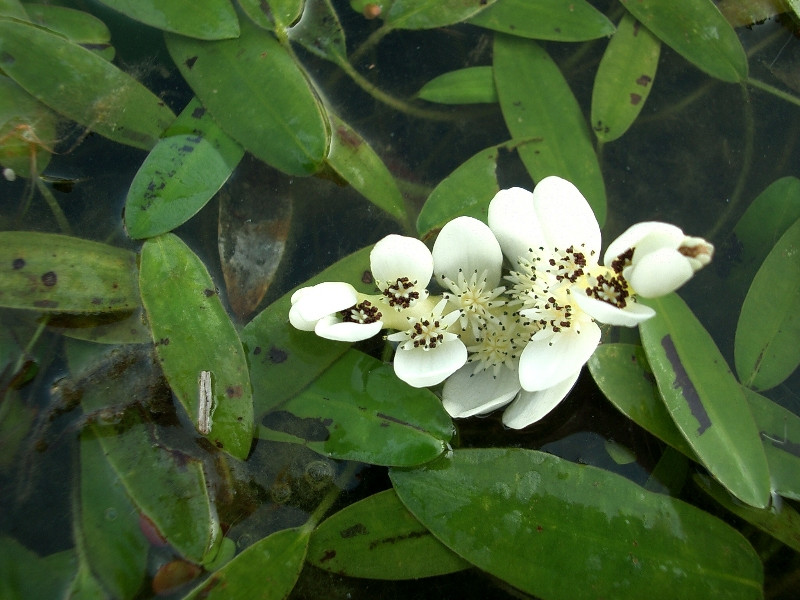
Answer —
519 338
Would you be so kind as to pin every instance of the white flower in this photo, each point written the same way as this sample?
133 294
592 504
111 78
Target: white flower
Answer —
402 267
332 310
657 258
428 353
467 260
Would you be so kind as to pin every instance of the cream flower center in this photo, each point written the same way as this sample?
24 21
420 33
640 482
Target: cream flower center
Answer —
401 293
363 312
427 332
500 344
474 300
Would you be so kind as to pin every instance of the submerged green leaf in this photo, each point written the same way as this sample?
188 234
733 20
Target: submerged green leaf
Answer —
429 14
25 576
378 538
359 410
537 521
555 20
77 26
184 170
203 19
537 102
27 130
624 79
767 346
81 85
696 30
56 273
259 95
705 400
472 85
194 334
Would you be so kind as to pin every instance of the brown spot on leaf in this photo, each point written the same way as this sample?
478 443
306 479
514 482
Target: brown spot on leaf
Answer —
49 279
328 555
233 391
366 277
190 61
635 99
357 529
277 356
644 80
683 383
18 263
208 292
198 112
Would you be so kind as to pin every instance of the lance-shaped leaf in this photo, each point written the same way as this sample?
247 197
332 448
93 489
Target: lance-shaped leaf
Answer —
24 574
27 130
705 400
537 102
321 33
696 30
203 19
359 410
554 20
273 14
559 530
81 85
767 346
77 26
473 85
357 163
13 8
259 95
378 538
284 360
193 334
624 79
266 570
429 14
57 273
184 170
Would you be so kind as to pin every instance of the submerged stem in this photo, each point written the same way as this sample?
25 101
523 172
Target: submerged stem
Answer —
773 90
61 218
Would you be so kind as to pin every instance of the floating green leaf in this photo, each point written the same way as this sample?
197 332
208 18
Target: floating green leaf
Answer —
258 94
624 79
274 13
184 170
51 272
193 333
767 346
27 130
705 400
466 191
429 14
81 85
110 538
472 85
25 576
554 20
266 570
696 30
537 521
623 375
359 410
284 360
203 19
780 434
321 33
77 26
537 103
781 522
356 162
13 8
378 538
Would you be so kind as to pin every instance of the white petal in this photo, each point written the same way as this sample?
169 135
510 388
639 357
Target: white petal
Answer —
650 235
467 245
565 216
466 394
543 364
514 223
421 368
397 256
310 304
530 407
630 316
659 273
333 328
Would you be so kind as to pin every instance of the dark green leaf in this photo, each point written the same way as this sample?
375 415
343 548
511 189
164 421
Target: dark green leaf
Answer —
56 273
624 79
466 191
184 170
77 26
193 333
273 13
27 130
26 576
111 540
359 410
358 164
321 33
82 86
267 570
472 85
13 8
429 14
378 538
537 103
555 20
559 530
696 30
259 95
767 346
203 19
705 400
284 360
